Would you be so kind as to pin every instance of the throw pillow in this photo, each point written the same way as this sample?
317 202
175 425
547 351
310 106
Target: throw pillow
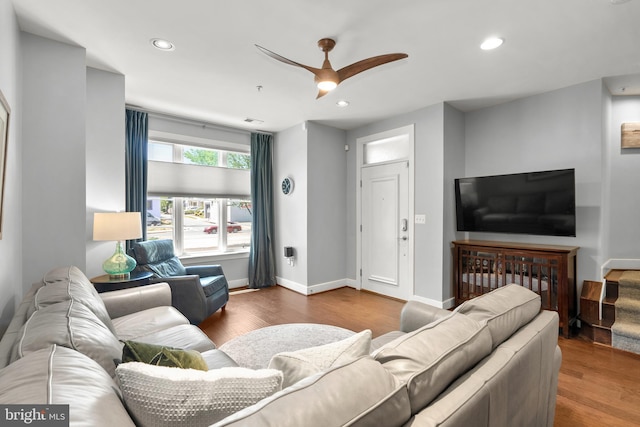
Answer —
161 396
296 365
159 355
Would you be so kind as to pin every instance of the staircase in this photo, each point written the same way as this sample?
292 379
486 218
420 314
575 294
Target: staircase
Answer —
619 326
625 332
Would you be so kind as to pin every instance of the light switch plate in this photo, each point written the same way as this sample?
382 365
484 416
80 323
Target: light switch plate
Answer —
421 219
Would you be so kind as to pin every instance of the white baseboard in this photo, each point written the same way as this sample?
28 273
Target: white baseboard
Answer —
446 304
313 289
238 283
291 285
352 283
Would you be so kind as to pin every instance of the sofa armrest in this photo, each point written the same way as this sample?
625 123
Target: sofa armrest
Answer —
205 270
128 301
415 315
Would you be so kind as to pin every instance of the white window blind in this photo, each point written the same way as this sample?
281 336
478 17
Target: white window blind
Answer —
185 180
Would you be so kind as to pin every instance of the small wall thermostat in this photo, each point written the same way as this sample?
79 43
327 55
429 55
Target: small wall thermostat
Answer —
287 185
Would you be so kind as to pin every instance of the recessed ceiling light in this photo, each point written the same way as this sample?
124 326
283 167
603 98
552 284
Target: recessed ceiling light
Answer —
162 44
491 43
342 103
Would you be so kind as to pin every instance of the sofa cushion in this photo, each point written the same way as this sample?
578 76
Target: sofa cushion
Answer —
385 339
504 310
296 365
65 283
69 324
160 355
188 337
216 359
360 393
162 396
430 358
149 321
57 375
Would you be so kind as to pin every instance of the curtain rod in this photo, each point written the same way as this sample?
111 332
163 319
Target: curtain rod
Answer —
185 120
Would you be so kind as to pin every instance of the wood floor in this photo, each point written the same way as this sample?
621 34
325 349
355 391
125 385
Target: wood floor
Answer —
598 386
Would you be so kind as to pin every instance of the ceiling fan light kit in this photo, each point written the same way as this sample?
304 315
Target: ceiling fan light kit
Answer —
326 78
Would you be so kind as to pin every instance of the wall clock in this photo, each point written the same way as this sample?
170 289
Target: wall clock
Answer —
287 185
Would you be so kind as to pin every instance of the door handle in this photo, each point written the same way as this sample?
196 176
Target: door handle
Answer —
405 224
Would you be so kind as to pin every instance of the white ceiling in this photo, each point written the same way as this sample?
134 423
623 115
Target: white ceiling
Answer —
213 73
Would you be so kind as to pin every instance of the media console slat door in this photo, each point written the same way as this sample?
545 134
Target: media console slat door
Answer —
549 270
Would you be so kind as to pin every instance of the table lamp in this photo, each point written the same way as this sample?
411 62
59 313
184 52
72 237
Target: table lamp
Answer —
117 226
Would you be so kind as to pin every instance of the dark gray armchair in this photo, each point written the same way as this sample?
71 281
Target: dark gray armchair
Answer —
197 291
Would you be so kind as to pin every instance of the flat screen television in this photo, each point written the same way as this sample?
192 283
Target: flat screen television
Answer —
540 203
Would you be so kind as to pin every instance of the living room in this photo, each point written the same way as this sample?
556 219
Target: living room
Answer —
65 161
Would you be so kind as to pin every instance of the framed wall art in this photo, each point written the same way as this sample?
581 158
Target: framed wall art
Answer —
631 135
5 113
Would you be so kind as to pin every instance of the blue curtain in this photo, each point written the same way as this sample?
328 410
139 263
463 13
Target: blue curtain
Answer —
137 137
262 267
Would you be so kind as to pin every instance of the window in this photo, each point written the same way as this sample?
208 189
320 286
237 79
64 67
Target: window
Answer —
192 191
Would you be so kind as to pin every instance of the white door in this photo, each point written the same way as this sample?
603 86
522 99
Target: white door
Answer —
386 230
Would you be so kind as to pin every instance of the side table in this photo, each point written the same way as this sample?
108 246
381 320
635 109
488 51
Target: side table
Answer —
105 283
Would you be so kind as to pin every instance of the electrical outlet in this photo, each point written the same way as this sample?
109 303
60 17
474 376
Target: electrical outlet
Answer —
421 219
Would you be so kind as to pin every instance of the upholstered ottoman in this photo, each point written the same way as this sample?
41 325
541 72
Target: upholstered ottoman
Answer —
255 349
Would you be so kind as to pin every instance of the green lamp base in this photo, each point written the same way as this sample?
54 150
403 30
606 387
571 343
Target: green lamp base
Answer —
120 264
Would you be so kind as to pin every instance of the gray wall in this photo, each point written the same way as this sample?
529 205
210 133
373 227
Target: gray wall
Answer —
53 144
290 159
11 277
555 130
105 158
454 160
623 202
326 177
311 219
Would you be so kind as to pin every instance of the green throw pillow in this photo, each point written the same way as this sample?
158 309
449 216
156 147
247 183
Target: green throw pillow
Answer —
158 355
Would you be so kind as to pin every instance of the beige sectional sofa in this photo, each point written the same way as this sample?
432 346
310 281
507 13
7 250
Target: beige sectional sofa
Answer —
492 362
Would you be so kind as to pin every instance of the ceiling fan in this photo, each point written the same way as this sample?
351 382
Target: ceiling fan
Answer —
327 78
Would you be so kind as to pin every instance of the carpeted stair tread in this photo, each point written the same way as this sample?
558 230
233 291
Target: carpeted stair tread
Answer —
629 285
630 276
629 305
630 330
625 332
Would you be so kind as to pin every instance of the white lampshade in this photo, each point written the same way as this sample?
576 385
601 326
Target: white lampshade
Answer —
117 226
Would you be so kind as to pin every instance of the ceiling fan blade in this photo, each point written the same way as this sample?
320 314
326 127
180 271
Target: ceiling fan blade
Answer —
285 60
366 64
322 93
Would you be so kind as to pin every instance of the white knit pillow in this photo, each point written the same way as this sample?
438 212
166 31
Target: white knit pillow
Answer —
300 364
166 396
